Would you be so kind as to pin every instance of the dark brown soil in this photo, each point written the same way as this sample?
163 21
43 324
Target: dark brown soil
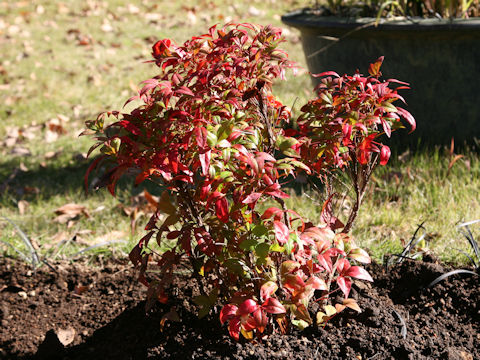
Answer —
108 320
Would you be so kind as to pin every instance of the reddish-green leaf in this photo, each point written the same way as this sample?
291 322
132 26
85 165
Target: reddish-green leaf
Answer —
281 232
273 306
374 68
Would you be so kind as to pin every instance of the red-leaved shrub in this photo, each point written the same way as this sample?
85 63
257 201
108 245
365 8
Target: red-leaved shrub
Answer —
212 135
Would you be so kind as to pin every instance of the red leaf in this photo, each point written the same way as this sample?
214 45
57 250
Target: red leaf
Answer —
205 162
221 209
294 283
173 234
234 328
347 133
273 306
247 307
185 91
384 155
317 283
261 319
271 212
326 262
386 127
345 284
326 73
227 312
252 198
407 116
281 232
92 166
135 255
278 194
201 136
161 47
359 273
362 127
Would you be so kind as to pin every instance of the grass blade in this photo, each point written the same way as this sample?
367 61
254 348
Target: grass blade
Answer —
413 241
469 223
450 273
22 255
105 243
34 256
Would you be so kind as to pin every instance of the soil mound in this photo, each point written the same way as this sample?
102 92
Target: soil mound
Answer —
80 312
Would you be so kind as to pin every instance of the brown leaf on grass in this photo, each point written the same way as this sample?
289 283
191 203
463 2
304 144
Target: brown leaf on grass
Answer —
132 9
69 212
22 167
50 136
106 26
112 235
31 190
10 141
60 236
55 125
66 336
20 151
22 206
52 154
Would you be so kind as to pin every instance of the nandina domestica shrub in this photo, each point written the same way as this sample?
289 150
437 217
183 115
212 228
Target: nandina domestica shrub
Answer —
212 135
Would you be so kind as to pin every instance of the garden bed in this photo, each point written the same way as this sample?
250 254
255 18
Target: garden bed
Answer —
99 313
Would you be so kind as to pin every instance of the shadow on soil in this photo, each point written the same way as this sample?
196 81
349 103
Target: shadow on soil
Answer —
136 335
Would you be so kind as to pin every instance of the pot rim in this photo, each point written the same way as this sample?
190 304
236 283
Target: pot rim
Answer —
305 18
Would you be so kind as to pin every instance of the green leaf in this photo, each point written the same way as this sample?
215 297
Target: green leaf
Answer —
262 250
206 302
211 139
291 152
237 267
285 143
389 107
276 247
259 230
248 244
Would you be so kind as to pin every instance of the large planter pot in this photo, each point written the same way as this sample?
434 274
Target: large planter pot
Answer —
439 58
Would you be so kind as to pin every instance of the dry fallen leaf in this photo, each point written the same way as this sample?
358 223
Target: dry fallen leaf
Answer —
112 235
31 190
106 27
21 151
66 336
132 9
68 212
60 236
22 206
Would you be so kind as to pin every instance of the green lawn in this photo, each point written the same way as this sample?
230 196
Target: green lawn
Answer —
64 62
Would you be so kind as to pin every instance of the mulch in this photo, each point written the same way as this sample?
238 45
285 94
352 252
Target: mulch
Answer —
99 313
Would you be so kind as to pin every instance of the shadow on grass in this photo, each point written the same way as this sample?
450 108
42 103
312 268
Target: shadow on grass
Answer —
44 182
